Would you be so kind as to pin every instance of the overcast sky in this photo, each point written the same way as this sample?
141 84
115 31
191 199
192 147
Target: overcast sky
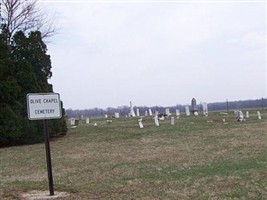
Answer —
109 53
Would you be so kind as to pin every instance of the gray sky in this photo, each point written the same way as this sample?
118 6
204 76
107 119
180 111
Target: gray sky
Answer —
109 53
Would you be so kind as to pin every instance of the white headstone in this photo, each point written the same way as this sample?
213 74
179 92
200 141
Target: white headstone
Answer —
106 116
172 120
72 121
95 124
141 124
117 115
156 113
156 119
150 112
247 114
236 113
161 118
132 110
167 112
240 116
187 112
205 109
87 120
177 112
145 112
259 114
137 112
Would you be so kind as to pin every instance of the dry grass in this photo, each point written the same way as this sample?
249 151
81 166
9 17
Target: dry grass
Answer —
193 159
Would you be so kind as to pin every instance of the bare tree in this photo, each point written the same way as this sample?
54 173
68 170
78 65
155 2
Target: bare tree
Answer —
26 16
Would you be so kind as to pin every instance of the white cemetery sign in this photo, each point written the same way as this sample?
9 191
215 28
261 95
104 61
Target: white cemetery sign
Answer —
43 106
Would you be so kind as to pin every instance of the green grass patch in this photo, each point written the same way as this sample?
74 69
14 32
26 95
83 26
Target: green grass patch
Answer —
197 158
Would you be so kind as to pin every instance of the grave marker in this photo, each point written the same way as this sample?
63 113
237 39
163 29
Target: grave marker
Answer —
205 109
247 114
137 112
259 114
172 120
187 112
117 115
156 120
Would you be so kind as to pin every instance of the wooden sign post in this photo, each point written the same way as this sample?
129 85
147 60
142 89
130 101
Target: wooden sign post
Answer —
44 106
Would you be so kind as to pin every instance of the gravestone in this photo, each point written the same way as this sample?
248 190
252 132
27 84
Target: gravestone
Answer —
132 110
106 116
161 117
247 114
236 113
156 113
72 121
117 115
177 112
240 116
187 112
140 121
137 112
205 109
167 112
156 119
145 113
194 106
76 122
150 112
259 114
87 120
172 120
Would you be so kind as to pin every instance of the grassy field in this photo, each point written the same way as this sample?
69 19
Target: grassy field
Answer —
197 158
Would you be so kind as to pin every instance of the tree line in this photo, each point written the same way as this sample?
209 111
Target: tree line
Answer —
125 110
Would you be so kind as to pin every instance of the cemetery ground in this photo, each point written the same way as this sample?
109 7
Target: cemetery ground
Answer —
197 158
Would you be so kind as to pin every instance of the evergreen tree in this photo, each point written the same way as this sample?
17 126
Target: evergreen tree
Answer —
24 68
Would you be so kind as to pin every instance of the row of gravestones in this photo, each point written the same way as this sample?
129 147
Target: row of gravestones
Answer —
156 121
240 116
167 112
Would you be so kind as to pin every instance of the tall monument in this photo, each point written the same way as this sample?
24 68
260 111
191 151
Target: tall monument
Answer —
194 108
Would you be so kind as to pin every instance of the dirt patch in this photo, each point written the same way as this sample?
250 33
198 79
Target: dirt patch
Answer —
35 195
